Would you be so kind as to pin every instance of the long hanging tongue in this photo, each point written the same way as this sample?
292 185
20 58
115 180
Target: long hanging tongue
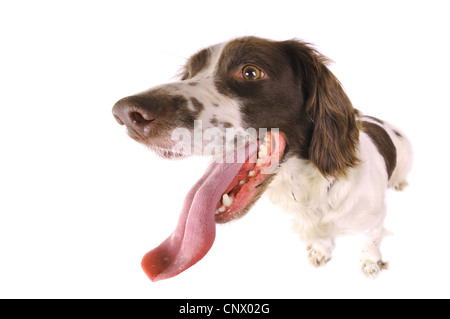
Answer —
196 229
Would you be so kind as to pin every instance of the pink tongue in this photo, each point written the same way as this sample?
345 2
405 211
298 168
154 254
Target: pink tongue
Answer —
196 229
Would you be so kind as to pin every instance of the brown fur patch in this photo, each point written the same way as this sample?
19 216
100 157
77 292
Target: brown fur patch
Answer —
299 95
398 133
384 144
214 121
197 105
196 63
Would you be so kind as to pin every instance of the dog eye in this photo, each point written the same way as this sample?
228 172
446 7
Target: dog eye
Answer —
250 72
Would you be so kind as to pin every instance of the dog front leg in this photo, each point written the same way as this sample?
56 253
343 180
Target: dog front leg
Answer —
371 261
319 251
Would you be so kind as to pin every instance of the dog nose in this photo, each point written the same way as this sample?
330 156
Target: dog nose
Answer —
135 112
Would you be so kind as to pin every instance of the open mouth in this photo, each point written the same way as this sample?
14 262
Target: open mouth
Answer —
225 192
242 192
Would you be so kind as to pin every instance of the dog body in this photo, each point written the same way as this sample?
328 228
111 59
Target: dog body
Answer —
323 209
334 163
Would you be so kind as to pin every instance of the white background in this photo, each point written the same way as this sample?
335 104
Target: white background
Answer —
81 203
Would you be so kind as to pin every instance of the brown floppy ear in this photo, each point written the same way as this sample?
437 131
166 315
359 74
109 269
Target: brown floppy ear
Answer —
335 135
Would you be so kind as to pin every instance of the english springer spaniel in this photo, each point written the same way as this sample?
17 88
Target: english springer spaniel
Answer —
276 121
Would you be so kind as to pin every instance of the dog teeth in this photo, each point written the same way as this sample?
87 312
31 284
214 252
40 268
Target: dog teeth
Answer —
226 200
259 162
221 209
241 182
262 151
251 173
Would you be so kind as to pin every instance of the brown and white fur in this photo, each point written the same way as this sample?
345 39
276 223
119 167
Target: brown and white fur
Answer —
337 163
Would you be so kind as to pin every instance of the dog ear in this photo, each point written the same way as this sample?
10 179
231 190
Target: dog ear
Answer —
335 135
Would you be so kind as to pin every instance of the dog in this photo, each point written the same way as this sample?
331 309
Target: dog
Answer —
304 145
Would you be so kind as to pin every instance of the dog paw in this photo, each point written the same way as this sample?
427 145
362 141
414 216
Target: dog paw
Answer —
371 269
400 186
317 257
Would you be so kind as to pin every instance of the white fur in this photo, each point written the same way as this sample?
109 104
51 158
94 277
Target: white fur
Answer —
323 209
